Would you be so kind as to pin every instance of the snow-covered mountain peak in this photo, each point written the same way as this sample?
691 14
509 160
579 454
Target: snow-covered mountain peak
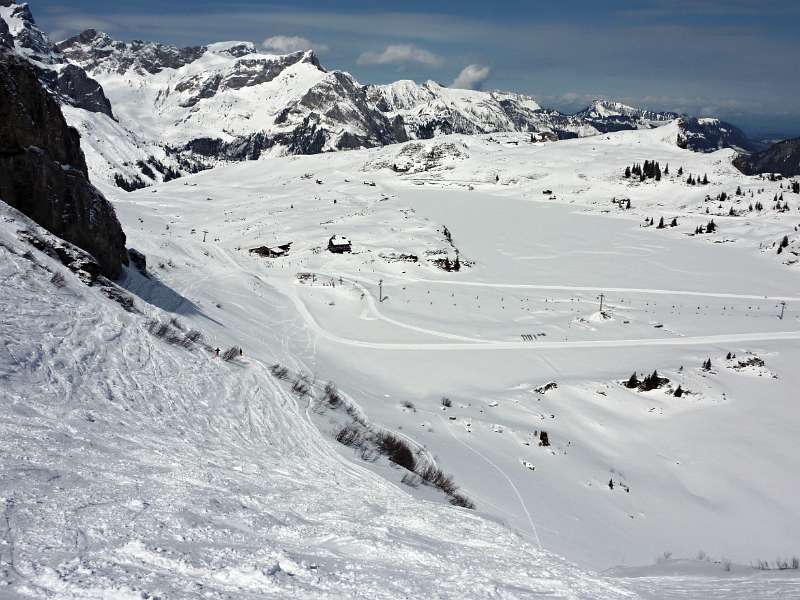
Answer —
29 41
604 109
233 48
97 51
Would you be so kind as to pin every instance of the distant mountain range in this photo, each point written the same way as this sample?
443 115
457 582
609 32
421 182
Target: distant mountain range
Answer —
149 112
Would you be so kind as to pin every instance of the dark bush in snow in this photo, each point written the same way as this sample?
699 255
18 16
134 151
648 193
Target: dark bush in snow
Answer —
461 500
231 353
58 280
438 478
350 435
279 372
332 396
397 449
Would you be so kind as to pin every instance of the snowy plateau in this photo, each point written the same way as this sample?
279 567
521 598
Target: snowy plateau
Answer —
475 364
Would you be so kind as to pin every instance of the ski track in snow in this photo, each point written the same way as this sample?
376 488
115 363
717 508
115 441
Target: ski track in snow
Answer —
506 477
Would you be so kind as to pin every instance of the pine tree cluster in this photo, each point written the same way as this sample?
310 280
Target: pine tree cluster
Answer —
650 170
692 180
711 227
650 382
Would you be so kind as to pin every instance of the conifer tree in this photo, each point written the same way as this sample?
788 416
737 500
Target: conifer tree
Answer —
633 381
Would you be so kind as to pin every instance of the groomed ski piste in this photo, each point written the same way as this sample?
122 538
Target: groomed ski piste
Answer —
134 467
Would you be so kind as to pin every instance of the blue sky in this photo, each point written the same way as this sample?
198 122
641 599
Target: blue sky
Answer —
738 59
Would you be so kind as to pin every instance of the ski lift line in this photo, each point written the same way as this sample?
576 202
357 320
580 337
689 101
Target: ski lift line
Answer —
621 290
483 345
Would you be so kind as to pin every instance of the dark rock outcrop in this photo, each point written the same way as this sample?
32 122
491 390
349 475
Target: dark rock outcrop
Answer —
709 135
783 158
43 172
6 41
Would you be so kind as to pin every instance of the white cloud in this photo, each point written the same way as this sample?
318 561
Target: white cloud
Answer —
291 43
399 54
471 77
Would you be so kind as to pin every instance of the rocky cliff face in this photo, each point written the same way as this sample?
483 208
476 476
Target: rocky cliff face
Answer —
783 158
70 82
43 172
709 135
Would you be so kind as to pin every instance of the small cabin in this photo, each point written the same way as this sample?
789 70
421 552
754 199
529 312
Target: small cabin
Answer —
272 252
338 244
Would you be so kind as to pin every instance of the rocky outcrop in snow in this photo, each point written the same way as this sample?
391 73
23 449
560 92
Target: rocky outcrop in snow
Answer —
42 169
709 135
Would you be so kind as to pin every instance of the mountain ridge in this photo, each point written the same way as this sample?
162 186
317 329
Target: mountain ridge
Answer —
151 111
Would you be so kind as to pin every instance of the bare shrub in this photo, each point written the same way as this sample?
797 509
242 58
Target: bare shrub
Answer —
409 405
58 280
446 402
332 396
157 328
191 337
461 500
279 372
397 449
439 479
301 386
350 435
231 353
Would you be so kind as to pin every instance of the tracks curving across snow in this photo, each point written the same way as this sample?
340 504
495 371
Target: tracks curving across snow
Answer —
467 343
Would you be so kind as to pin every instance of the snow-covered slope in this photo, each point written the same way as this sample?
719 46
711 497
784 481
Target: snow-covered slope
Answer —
165 471
523 311
132 467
